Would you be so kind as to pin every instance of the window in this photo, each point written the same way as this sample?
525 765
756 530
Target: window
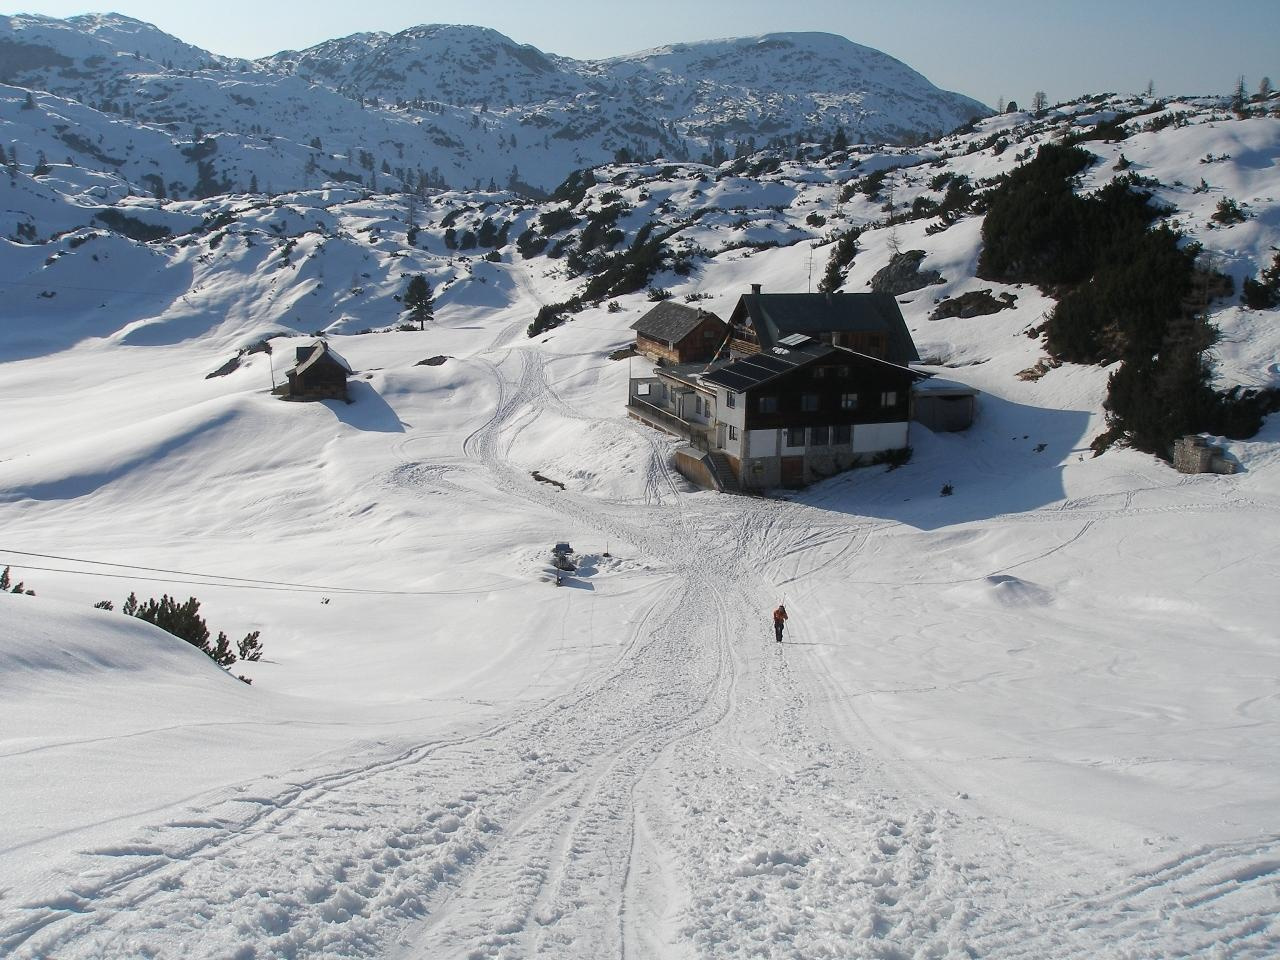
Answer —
795 436
840 433
733 433
848 401
730 399
768 404
819 373
642 389
842 372
819 436
889 398
697 405
808 402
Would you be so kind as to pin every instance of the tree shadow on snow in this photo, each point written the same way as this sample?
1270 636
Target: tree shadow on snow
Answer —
1010 461
367 410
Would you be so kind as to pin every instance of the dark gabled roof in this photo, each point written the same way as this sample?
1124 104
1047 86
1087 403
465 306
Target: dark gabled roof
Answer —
759 368
319 353
671 322
774 315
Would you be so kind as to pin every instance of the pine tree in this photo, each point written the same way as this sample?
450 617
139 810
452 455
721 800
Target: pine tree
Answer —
183 620
251 647
419 301
1239 98
842 254
221 653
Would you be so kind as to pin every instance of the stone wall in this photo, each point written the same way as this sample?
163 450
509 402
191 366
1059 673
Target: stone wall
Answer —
1193 454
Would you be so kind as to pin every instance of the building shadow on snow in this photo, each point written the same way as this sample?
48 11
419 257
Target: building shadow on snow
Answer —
1010 461
366 410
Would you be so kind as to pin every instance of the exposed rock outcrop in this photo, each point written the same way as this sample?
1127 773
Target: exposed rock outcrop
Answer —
903 274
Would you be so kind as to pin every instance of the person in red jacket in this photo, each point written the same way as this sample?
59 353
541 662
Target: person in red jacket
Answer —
779 621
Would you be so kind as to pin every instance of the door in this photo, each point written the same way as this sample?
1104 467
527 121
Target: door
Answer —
793 471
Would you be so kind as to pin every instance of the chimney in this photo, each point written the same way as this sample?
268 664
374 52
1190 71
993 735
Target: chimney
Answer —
755 289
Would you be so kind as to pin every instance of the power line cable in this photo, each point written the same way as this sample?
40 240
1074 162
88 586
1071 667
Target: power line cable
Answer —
65 286
184 573
220 580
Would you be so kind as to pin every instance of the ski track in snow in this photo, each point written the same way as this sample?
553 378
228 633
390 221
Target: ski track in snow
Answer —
699 792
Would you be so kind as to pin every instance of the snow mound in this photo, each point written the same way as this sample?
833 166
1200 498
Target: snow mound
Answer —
47 644
1003 590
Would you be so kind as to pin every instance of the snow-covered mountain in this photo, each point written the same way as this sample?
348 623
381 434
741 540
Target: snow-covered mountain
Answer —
467 105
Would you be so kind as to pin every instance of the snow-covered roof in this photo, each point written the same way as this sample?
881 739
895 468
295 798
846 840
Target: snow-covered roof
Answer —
321 353
940 387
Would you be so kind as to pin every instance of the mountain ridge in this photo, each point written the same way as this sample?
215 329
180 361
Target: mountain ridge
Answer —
469 105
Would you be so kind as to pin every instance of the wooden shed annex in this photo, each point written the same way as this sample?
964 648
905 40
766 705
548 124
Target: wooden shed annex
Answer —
674 333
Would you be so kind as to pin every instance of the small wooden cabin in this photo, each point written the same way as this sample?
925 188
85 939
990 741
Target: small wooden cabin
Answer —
320 374
674 333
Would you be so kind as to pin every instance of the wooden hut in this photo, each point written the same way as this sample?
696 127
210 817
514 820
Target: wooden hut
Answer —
674 333
320 374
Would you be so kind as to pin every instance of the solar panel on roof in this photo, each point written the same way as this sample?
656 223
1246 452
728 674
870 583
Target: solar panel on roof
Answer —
795 339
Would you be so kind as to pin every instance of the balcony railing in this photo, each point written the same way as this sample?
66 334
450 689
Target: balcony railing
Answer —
656 416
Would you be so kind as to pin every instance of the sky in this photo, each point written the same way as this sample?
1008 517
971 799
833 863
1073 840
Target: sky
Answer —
987 49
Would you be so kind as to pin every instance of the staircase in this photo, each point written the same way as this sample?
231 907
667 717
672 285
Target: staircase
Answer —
723 473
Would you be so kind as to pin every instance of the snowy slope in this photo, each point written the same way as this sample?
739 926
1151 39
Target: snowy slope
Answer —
1036 718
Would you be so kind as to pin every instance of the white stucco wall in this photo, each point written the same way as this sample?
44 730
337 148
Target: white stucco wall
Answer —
874 437
735 416
763 443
